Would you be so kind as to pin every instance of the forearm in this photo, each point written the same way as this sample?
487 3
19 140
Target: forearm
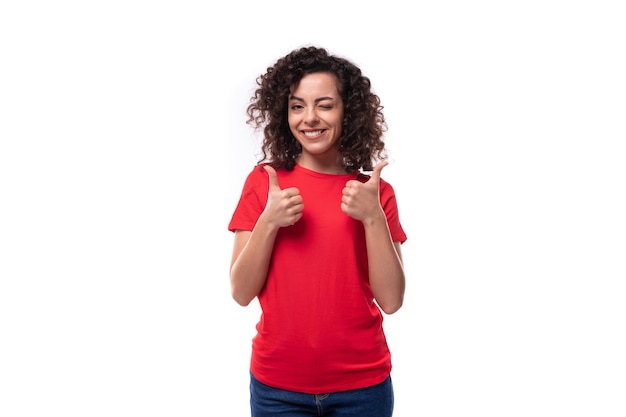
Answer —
386 270
250 263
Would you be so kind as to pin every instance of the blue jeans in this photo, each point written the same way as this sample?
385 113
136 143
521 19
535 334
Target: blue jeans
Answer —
375 401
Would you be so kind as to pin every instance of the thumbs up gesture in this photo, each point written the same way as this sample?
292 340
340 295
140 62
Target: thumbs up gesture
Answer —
362 200
284 207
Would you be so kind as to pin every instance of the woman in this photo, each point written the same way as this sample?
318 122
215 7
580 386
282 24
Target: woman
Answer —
317 241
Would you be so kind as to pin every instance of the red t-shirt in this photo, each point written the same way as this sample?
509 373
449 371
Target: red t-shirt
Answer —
320 330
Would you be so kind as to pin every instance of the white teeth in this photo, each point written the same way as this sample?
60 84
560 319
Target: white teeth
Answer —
315 133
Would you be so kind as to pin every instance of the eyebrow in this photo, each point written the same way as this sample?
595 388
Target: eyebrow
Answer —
317 100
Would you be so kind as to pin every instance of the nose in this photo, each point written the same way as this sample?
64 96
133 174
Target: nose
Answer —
311 116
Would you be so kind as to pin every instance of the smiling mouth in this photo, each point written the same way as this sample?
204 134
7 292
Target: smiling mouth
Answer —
312 133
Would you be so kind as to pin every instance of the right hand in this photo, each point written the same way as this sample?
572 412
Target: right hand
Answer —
284 207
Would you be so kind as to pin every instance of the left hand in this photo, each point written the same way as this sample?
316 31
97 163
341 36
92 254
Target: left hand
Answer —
362 200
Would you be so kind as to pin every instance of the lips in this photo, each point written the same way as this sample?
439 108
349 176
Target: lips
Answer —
312 133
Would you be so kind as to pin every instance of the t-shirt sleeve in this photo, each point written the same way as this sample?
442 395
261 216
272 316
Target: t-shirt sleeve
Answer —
251 202
390 206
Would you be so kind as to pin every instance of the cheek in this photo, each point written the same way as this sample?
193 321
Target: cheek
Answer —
339 120
293 129
292 121
339 124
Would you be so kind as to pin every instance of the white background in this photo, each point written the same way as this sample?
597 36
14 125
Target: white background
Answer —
124 148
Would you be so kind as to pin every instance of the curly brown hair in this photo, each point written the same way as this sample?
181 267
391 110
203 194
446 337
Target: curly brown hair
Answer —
361 141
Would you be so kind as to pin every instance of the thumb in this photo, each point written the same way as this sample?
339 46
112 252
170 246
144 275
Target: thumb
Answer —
375 177
273 177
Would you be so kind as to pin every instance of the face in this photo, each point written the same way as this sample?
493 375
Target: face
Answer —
315 117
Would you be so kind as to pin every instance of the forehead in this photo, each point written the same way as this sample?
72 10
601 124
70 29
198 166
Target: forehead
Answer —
318 83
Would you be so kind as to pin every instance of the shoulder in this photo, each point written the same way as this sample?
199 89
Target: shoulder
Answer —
257 172
255 180
258 176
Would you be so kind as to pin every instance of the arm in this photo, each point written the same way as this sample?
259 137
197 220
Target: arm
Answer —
250 261
386 270
252 250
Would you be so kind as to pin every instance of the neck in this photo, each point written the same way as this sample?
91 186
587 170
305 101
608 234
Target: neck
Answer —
321 165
